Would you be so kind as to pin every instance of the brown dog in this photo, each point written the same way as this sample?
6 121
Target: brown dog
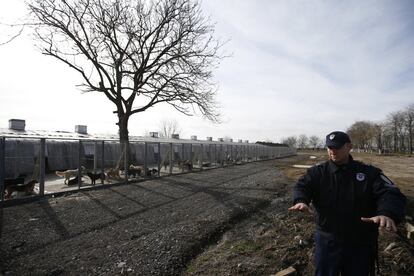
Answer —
27 188
185 165
113 173
68 173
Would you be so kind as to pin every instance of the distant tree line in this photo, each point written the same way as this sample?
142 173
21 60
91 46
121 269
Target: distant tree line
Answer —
393 135
304 142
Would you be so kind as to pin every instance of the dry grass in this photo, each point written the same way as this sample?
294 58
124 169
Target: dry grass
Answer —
400 169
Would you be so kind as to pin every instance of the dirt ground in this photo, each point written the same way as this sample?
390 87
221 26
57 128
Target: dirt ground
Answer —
226 221
275 239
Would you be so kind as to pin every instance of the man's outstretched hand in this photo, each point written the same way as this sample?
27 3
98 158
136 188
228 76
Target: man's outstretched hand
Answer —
301 207
383 222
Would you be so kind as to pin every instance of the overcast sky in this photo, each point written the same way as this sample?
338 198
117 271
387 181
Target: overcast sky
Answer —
297 67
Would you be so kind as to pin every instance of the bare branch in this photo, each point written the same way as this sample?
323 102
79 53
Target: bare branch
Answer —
13 37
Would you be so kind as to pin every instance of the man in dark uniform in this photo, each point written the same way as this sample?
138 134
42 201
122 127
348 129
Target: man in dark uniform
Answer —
352 200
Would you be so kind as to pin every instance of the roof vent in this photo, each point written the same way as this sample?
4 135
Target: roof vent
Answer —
240 141
154 134
194 137
220 139
246 141
209 138
17 124
175 136
81 129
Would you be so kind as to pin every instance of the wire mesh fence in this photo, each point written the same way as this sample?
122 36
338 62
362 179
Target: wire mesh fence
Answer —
46 166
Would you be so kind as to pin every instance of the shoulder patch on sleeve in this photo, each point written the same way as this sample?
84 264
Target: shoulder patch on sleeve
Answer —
387 181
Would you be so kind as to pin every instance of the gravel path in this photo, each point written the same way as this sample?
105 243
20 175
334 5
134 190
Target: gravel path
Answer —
153 227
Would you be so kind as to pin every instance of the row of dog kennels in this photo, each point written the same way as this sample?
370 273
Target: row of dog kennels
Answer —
39 166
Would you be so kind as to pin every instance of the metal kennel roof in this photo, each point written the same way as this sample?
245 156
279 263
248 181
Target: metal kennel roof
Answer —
67 135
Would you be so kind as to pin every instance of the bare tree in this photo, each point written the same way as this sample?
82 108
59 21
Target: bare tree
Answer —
291 141
315 142
394 134
137 53
409 124
302 141
378 133
169 127
387 137
362 134
395 123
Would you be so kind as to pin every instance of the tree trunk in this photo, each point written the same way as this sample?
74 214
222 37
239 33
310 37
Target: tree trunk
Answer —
124 136
395 142
123 127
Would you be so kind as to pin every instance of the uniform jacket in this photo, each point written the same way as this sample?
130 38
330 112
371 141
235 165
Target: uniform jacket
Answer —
342 195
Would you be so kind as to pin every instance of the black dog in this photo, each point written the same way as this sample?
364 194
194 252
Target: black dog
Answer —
151 172
73 181
134 172
96 176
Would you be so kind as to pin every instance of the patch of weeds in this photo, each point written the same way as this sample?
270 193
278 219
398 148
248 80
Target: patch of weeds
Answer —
268 255
201 259
245 246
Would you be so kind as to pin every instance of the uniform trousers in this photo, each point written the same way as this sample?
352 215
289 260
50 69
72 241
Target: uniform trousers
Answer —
333 258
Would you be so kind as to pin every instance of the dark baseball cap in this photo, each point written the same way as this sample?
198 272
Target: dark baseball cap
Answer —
337 139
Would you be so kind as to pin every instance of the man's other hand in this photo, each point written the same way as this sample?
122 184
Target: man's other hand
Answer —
383 222
301 207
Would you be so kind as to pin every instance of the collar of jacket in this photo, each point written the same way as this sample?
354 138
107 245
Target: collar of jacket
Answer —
333 167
